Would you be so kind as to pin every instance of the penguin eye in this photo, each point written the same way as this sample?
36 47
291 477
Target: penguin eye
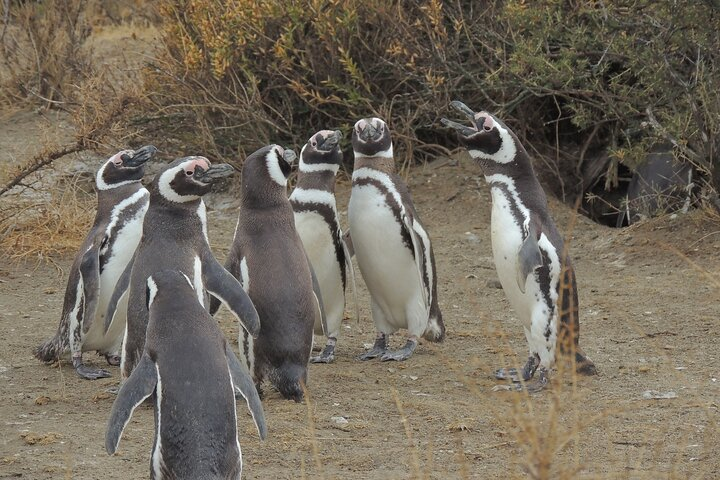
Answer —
189 173
313 143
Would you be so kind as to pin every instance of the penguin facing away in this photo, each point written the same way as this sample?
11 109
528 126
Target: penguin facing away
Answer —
103 256
532 262
175 237
316 221
392 248
268 258
188 367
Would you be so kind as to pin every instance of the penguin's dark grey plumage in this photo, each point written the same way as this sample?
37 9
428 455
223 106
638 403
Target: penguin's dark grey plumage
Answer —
103 256
391 246
532 263
268 258
316 220
175 237
188 368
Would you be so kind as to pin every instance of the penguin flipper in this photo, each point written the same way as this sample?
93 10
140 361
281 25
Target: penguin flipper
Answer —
318 298
139 386
226 288
529 258
90 275
351 270
243 383
121 288
420 244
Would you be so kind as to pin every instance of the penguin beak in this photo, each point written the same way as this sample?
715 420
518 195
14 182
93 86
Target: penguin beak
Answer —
138 157
215 172
462 129
367 132
329 143
289 156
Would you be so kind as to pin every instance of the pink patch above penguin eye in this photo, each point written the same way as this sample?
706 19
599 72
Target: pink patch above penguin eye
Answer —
488 124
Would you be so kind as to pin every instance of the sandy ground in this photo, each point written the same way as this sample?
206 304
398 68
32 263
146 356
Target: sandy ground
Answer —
649 318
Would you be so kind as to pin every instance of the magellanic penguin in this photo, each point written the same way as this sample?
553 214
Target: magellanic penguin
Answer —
189 367
175 237
316 221
268 258
532 262
103 256
392 248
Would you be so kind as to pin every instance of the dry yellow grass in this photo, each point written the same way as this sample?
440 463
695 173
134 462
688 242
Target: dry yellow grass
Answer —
42 230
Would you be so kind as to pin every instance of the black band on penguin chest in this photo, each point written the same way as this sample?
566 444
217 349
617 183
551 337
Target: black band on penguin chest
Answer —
328 215
394 207
512 201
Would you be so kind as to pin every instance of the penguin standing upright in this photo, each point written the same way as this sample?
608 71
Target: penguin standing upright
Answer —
532 263
189 366
392 248
103 256
316 220
175 237
268 258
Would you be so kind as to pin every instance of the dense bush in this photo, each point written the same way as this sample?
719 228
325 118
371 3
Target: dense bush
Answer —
590 85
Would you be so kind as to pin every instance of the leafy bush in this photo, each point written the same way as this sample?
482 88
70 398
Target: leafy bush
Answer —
589 85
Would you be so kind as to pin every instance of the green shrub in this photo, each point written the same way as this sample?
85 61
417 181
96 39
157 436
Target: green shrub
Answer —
572 78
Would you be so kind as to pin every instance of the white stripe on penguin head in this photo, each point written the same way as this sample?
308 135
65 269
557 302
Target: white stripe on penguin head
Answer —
168 176
100 183
507 151
272 160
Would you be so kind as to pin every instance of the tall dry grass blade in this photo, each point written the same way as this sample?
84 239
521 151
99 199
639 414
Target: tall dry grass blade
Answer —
413 452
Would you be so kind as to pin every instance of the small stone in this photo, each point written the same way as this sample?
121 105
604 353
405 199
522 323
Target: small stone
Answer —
655 395
340 420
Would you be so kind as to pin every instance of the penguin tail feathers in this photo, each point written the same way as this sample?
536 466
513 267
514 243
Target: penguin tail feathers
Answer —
51 350
435 331
290 381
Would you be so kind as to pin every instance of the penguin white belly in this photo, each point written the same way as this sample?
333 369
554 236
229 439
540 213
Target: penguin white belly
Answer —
531 308
506 235
124 246
318 242
386 264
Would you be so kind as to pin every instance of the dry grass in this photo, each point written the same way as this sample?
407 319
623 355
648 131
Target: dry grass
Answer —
40 231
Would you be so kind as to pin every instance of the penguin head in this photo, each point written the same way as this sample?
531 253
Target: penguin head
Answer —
126 166
188 178
173 281
487 138
371 138
272 162
322 152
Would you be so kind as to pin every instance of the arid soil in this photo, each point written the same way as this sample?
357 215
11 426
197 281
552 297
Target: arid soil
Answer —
649 319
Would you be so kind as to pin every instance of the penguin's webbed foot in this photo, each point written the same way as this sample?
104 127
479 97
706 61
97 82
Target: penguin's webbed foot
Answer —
402 354
327 355
513 375
112 359
91 373
540 382
378 349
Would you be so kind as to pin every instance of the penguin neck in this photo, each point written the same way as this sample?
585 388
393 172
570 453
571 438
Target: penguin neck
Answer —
108 199
265 196
383 164
320 180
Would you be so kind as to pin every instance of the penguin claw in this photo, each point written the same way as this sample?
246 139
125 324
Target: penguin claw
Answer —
507 374
402 354
327 355
113 360
91 373
374 353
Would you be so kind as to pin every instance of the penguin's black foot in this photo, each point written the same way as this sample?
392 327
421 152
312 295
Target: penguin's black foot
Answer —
402 354
112 359
91 373
378 349
526 374
327 355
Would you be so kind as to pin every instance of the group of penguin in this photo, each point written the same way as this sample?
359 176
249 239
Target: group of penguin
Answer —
144 285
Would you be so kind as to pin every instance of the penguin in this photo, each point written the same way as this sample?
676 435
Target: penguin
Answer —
175 236
531 259
110 244
268 258
189 370
316 221
392 248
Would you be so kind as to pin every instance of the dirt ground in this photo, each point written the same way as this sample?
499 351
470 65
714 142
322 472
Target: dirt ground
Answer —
649 318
